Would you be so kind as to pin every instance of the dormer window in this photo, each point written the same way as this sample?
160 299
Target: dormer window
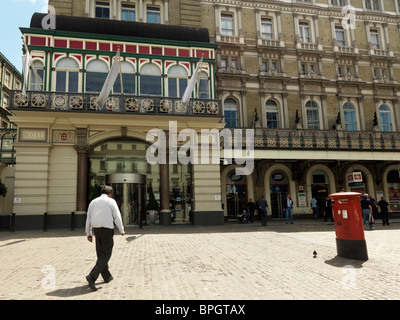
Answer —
102 9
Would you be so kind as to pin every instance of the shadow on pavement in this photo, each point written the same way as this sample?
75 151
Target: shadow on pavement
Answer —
71 292
343 262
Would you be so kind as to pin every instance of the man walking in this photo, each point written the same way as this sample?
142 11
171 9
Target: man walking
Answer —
102 213
384 206
262 206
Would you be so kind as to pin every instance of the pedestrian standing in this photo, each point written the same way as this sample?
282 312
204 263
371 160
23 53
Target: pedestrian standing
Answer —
262 206
102 213
314 207
384 207
288 208
251 206
328 209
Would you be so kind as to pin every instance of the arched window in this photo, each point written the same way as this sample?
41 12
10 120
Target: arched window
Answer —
385 115
272 114
150 80
350 120
312 115
204 89
231 112
36 81
96 74
128 79
177 81
67 75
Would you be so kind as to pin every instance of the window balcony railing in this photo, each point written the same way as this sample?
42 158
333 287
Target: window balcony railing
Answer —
322 140
85 102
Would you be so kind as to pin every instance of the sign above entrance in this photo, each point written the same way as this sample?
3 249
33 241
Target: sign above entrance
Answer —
355 177
278 176
234 177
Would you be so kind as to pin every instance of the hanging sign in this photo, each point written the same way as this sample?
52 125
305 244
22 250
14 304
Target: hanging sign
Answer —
355 177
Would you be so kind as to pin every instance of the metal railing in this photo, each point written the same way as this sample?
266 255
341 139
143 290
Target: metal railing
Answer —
76 102
328 140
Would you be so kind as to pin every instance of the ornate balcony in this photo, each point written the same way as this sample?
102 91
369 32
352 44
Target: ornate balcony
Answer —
85 102
322 140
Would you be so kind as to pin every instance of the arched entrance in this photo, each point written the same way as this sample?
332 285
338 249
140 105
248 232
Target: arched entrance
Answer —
393 182
320 183
236 194
125 158
279 187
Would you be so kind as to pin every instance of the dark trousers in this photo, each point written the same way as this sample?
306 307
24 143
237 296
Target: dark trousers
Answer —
104 246
385 217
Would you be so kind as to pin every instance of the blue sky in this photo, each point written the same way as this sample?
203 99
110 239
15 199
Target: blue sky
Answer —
13 15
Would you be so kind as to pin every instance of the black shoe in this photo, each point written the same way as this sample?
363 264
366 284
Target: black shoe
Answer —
109 279
91 283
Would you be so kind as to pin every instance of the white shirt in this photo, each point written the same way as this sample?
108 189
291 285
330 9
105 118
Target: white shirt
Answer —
103 212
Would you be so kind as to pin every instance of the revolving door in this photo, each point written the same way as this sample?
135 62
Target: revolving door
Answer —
130 195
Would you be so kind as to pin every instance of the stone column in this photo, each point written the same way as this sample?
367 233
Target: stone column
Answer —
82 184
165 212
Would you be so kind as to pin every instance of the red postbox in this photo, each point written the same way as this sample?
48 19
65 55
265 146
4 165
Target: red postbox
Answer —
349 228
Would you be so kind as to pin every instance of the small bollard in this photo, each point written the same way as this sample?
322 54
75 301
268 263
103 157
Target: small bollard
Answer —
45 222
12 223
72 221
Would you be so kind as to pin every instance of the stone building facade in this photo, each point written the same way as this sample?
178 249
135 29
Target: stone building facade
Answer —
317 80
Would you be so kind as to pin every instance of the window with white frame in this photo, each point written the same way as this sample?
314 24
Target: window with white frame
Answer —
36 80
304 32
373 4
346 67
128 79
227 24
267 28
204 86
350 118
385 116
67 75
102 9
312 115
339 3
150 80
374 38
153 14
340 36
381 70
177 81
231 113
272 114
7 79
96 74
128 12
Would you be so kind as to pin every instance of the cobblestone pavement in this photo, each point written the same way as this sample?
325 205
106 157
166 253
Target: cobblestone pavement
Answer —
186 262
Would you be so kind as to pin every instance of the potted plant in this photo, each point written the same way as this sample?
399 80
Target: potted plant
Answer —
375 125
338 125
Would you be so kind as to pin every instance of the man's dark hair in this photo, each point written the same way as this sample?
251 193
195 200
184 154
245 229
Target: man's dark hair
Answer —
106 190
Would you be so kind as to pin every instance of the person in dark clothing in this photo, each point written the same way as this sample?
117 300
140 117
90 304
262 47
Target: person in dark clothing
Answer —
328 209
251 206
366 210
384 206
262 207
